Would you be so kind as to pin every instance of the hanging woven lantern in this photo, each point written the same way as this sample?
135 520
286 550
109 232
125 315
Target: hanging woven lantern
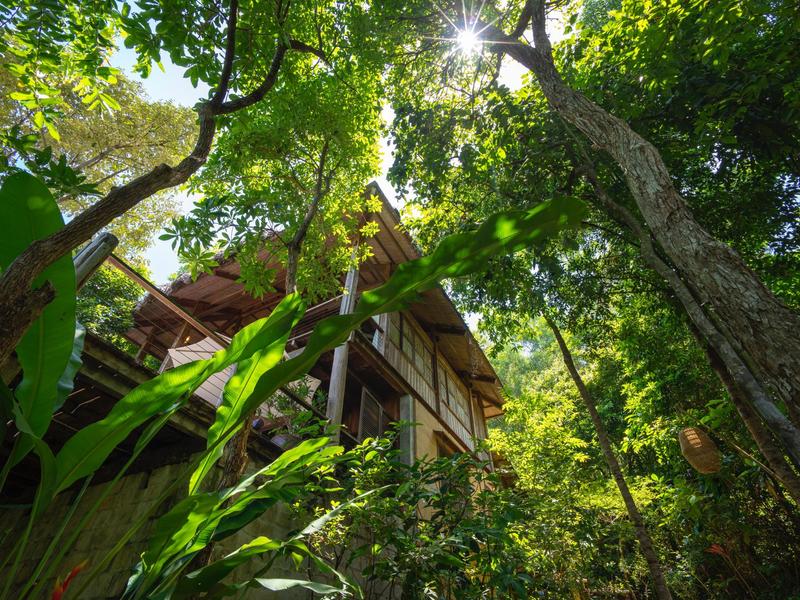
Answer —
699 450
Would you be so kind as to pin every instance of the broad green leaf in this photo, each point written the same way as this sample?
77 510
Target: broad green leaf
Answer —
47 464
30 213
189 525
284 478
87 449
208 578
278 585
456 256
173 531
67 381
240 386
205 579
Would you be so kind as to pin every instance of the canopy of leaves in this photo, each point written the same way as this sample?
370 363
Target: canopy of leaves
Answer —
105 149
292 171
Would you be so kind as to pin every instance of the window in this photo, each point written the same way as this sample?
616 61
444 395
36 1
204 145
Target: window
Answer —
413 344
372 420
394 329
381 322
454 395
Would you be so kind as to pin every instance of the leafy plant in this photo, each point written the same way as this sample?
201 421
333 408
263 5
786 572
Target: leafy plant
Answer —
443 527
50 350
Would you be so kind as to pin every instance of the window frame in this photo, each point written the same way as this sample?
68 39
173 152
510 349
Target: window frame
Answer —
448 379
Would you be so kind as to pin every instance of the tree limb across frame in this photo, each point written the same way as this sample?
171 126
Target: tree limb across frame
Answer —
20 303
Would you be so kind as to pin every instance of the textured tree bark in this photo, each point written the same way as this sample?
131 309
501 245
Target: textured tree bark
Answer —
760 329
645 542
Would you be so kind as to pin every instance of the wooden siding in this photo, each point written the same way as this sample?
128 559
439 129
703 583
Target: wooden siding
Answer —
400 361
455 425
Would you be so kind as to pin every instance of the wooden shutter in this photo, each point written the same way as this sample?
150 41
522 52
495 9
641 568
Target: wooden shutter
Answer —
370 422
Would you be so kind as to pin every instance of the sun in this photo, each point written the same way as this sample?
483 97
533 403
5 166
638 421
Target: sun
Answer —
468 41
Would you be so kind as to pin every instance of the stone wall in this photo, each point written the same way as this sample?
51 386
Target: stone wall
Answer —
130 499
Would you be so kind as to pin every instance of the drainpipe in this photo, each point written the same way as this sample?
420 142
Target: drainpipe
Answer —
92 256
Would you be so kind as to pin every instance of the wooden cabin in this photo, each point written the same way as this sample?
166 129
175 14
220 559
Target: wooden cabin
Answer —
420 365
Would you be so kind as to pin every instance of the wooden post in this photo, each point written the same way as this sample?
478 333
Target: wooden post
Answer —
339 367
471 408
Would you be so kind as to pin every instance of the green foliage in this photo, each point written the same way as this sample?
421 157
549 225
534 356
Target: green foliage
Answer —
212 516
98 150
240 386
650 380
441 527
712 85
45 39
303 152
105 305
84 452
46 349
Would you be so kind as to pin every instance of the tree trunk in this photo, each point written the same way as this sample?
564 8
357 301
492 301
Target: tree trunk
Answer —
235 457
738 371
761 329
292 263
760 434
645 542
20 304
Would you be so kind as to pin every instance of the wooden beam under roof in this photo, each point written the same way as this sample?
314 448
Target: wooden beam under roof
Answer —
163 299
475 377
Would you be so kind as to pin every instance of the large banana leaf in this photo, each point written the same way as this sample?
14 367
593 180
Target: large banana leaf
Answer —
67 380
29 213
237 389
192 523
209 579
85 451
456 256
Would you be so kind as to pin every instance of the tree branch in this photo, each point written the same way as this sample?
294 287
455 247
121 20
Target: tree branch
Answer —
230 51
303 47
524 19
261 91
311 212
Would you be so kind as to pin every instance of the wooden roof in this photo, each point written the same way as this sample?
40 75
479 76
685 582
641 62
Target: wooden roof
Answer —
219 302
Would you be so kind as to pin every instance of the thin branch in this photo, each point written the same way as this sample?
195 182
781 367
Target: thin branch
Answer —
319 188
303 47
227 64
257 94
524 19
